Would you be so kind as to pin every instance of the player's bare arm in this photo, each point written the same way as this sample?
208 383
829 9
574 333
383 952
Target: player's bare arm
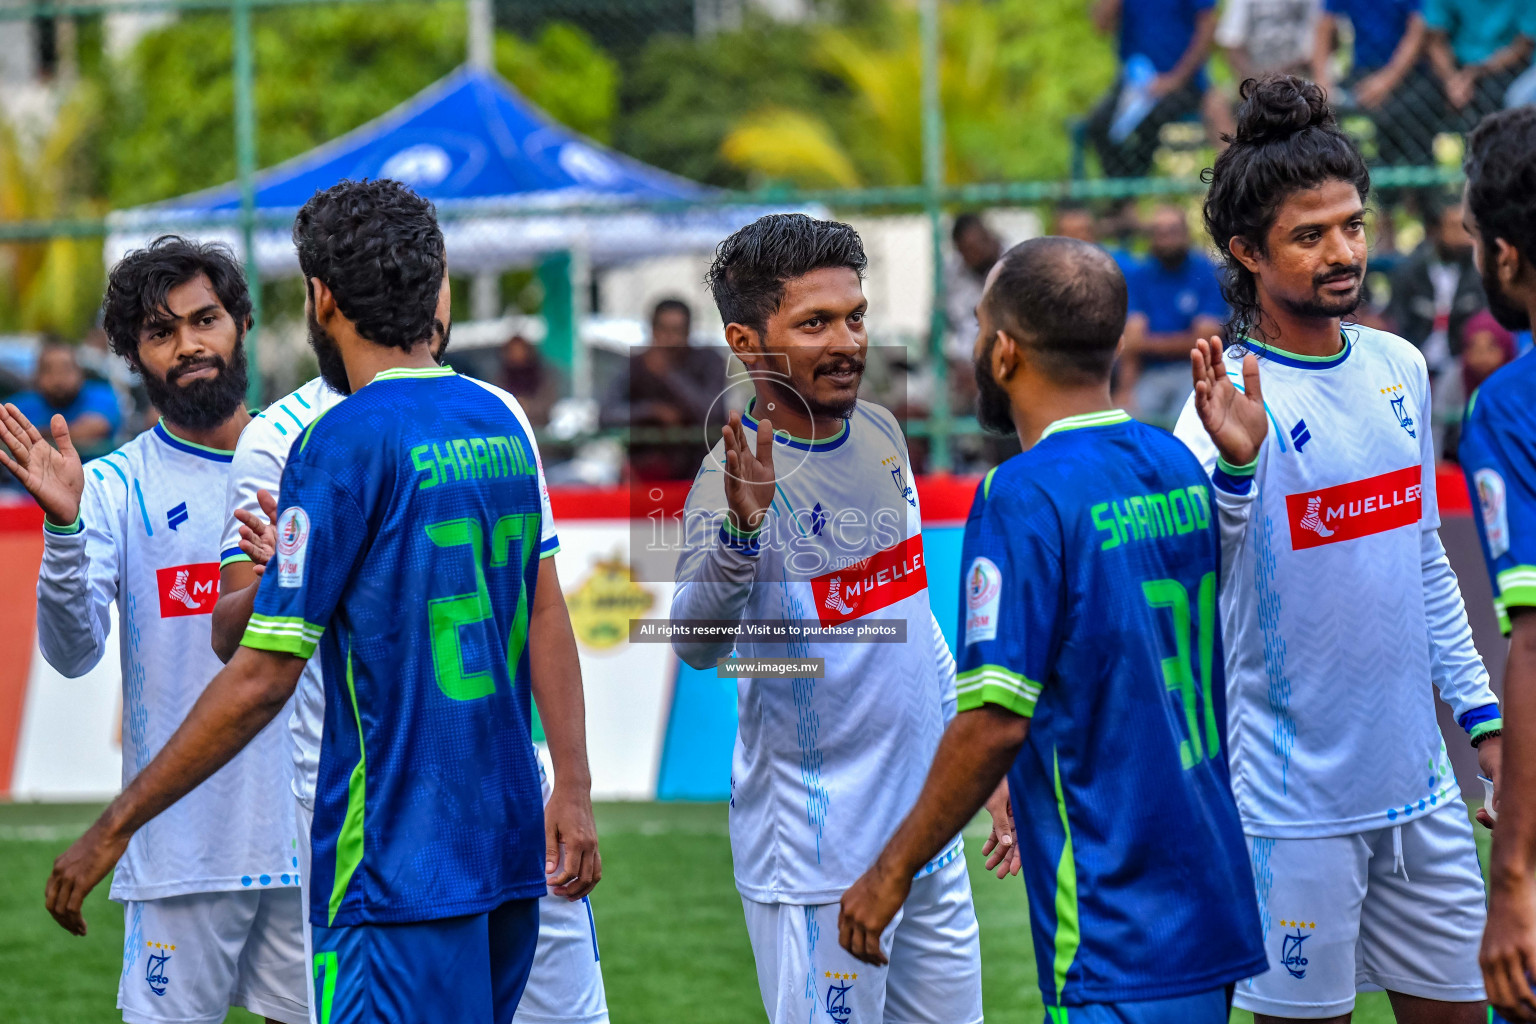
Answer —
1508 954
52 475
238 581
749 478
556 683
236 705
1234 419
974 754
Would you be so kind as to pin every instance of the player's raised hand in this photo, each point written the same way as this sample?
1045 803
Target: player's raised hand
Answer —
749 479
572 864
1508 954
52 475
258 535
1002 847
1235 419
867 910
77 871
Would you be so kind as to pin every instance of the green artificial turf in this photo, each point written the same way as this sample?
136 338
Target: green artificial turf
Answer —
669 922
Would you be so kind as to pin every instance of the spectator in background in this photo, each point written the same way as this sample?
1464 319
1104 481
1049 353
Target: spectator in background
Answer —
1163 49
1074 220
529 378
1388 79
1437 288
977 248
669 385
60 387
1485 346
1477 49
1259 36
1174 298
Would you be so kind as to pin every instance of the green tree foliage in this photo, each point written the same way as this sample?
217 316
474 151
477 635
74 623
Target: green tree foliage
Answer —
320 72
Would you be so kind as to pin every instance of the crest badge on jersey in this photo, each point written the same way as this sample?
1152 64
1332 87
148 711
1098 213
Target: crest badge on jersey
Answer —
154 967
292 546
983 594
1490 497
1399 399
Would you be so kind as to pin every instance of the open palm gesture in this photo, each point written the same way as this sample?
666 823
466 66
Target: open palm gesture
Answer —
749 479
54 476
1235 419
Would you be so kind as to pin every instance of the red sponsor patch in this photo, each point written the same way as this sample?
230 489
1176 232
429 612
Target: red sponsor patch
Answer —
876 582
1356 509
188 589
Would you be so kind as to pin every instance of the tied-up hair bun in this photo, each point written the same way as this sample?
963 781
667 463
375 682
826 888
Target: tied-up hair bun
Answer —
1278 107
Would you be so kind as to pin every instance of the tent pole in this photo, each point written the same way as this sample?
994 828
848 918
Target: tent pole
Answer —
481 35
245 169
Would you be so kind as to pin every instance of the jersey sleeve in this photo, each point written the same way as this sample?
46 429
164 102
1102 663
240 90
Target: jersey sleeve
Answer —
78 579
715 570
321 540
1011 608
1233 486
257 466
1500 466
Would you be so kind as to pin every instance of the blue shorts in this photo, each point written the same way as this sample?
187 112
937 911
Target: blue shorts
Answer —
457 970
1211 1007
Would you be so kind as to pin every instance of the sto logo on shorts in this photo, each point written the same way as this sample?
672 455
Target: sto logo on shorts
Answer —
188 589
1356 509
870 584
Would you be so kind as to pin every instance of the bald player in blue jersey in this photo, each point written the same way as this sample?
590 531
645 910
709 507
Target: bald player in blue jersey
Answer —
1090 672
413 544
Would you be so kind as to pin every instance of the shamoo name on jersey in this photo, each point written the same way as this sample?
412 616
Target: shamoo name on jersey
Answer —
428 802
1090 607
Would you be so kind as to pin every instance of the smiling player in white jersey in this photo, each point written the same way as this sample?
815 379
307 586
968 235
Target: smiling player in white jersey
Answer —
565 985
1341 614
806 513
210 889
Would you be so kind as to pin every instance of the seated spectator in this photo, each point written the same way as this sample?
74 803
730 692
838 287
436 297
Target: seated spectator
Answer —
60 387
1174 298
1485 347
1437 288
1257 37
1388 79
669 385
977 248
1163 49
1478 48
529 378
1074 220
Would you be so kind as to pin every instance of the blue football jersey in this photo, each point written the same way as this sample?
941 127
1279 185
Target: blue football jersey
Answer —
1498 453
1091 568
411 523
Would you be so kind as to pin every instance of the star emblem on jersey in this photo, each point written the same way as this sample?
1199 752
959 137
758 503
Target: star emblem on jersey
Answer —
1399 400
898 474
837 996
1291 956
154 968
176 516
1300 435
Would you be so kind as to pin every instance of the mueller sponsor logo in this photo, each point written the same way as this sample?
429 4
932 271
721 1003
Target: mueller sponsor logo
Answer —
871 584
188 589
1356 509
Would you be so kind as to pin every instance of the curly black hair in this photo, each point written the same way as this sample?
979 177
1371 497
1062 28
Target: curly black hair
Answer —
1287 141
752 266
140 282
377 246
1501 179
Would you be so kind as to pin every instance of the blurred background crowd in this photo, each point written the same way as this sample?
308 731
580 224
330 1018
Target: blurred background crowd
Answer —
1084 119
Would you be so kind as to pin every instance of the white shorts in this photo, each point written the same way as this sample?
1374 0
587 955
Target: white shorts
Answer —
566 983
1400 909
188 959
934 974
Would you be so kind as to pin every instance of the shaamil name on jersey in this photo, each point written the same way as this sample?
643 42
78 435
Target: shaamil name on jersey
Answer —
1356 509
871 584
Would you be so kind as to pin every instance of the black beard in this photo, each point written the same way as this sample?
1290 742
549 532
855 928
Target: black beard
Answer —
200 404
994 409
1321 308
1510 316
333 370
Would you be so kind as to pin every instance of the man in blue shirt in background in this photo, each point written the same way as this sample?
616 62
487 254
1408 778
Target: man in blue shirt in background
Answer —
1388 79
60 388
1163 48
1175 297
1477 48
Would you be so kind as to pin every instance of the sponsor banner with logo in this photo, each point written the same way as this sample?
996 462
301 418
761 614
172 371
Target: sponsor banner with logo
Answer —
1356 509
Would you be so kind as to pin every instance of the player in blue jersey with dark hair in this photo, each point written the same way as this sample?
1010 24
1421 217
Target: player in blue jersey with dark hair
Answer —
413 544
1090 673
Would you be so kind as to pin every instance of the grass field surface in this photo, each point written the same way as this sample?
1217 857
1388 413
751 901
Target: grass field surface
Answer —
674 947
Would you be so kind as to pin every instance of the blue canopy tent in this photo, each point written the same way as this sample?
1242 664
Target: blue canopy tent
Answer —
511 185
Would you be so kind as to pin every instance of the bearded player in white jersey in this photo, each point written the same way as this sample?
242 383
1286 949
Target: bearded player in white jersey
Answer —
806 514
565 985
210 888
1341 615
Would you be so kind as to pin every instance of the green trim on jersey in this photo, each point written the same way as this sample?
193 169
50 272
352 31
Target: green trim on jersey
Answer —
1502 614
193 444
285 634
232 559
63 531
1068 937
1248 470
1517 587
1472 401
1484 728
986 483
725 524
784 435
993 684
413 373
1106 418
349 843
310 430
1288 354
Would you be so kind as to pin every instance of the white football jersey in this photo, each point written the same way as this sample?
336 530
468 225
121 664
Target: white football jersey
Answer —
1339 607
824 768
147 538
260 456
